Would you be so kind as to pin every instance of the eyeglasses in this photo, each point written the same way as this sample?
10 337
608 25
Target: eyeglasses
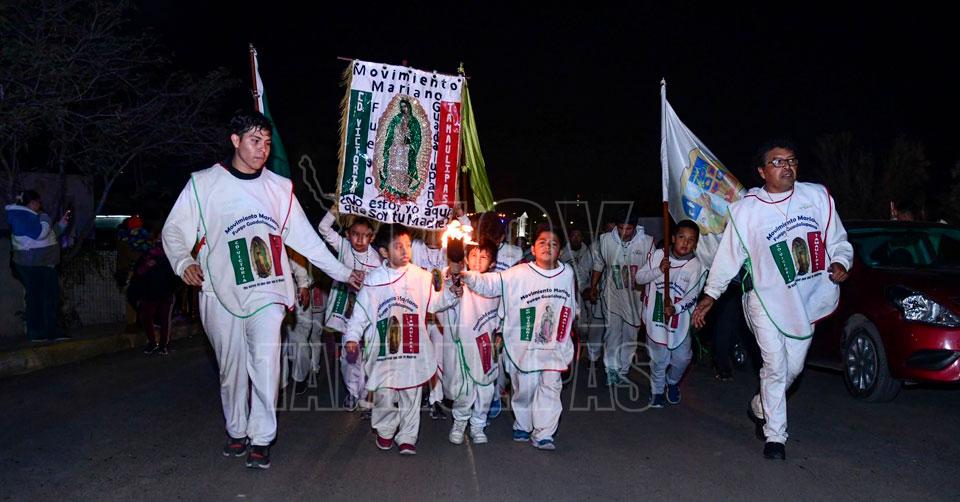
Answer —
779 163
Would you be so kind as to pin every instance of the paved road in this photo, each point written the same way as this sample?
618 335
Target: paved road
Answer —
126 426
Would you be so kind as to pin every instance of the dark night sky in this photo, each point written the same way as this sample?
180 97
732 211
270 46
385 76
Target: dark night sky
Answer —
567 99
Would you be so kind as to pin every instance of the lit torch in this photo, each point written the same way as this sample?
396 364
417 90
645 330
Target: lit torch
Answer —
454 238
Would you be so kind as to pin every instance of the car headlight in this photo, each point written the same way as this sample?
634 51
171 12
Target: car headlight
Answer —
918 308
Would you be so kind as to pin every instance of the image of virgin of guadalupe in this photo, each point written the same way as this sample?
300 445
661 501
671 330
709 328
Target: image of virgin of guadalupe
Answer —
402 149
625 275
802 255
546 326
437 279
261 257
393 334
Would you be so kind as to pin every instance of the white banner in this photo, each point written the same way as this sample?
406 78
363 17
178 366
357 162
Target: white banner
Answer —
401 145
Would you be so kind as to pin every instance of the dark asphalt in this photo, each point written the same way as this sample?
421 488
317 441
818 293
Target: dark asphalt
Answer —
127 426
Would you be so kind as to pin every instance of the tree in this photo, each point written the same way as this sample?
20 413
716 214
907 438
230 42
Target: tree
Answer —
79 94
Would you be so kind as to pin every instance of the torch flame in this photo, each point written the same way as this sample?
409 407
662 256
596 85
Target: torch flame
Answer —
457 231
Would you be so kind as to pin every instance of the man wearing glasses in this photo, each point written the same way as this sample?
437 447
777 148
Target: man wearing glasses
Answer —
791 240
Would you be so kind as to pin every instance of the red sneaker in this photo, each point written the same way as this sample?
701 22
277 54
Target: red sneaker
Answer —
408 449
384 443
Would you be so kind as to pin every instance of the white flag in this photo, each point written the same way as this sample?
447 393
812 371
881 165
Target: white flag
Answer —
697 186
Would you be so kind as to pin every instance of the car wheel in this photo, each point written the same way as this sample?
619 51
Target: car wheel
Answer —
865 369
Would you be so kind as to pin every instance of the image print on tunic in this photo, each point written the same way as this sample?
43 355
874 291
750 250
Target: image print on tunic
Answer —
403 149
546 325
625 271
437 279
261 257
393 334
802 255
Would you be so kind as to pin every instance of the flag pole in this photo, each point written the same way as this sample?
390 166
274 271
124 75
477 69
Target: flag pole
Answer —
253 79
665 179
464 174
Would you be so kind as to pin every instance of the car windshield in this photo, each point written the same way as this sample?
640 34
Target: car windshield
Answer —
907 247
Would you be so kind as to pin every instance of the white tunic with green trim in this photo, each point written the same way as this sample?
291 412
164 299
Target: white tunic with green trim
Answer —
341 298
686 281
788 242
468 343
390 316
538 309
243 226
619 261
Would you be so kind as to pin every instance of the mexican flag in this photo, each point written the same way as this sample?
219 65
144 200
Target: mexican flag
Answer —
278 161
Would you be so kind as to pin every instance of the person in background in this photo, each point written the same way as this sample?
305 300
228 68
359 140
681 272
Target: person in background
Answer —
36 254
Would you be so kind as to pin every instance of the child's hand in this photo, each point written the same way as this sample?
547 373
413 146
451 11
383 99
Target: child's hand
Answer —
668 309
665 264
352 348
356 279
304 297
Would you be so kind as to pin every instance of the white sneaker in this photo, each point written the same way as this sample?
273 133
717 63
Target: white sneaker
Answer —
456 432
477 435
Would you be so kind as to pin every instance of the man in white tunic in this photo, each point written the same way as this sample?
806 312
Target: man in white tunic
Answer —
795 249
618 256
242 217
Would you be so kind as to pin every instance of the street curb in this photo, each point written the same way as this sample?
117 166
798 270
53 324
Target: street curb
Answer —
29 359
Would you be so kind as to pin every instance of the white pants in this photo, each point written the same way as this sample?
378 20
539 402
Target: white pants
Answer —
619 345
403 423
474 403
353 375
303 346
436 385
248 352
783 359
536 402
667 366
591 332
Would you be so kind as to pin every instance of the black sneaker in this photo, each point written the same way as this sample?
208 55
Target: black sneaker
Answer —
259 457
774 451
436 412
300 387
758 424
163 351
151 348
235 447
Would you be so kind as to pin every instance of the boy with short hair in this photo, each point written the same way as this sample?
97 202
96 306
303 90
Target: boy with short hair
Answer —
398 355
539 306
356 253
470 362
667 316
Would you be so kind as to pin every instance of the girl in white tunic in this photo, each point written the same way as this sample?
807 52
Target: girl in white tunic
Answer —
667 317
538 306
398 355
790 238
470 366
356 253
241 217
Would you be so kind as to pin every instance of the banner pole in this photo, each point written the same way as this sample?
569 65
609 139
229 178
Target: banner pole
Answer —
665 180
253 79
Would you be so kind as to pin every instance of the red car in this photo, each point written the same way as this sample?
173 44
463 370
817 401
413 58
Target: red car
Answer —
898 317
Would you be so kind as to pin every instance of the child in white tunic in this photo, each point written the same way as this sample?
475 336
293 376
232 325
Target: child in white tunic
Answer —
539 305
470 366
399 358
356 253
429 255
667 317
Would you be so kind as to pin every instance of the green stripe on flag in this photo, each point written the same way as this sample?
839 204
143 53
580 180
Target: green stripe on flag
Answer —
358 130
784 260
278 161
382 326
658 308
